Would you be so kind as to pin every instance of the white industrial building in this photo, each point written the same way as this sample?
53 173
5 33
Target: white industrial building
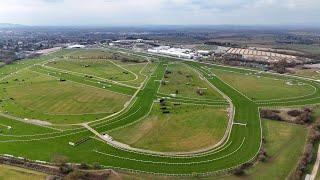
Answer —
176 52
203 52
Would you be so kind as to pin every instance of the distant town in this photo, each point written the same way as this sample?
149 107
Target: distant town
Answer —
20 43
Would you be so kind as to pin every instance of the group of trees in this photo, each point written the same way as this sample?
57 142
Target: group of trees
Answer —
270 114
281 66
239 171
298 116
262 157
308 156
217 43
76 172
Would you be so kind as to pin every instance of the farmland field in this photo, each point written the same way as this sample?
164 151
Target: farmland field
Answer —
58 88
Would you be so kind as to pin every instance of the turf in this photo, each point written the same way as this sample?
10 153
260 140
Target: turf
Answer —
149 69
312 49
47 95
310 73
9 172
284 145
101 68
18 65
89 53
185 128
85 79
263 88
54 97
106 54
137 69
11 127
241 146
283 141
184 81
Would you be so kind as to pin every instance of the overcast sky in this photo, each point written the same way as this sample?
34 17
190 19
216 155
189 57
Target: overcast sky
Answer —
160 12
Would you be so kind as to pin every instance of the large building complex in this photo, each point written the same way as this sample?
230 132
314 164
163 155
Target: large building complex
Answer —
176 52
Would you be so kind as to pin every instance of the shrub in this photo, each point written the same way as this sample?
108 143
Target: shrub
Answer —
262 156
294 113
83 166
76 175
200 92
59 159
65 169
52 177
305 117
168 72
239 171
269 114
96 166
313 137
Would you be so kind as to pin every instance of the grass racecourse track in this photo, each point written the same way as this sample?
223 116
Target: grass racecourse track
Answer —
241 144
197 128
186 81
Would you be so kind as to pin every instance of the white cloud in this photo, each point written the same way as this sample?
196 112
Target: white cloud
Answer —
118 12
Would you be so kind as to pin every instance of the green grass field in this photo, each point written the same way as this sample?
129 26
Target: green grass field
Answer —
283 140
137 69
11 173
42 94
310 73
186 82
185 128
149 69
241 146
89 53
106 54
263 88
100 68
311 49
284 145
